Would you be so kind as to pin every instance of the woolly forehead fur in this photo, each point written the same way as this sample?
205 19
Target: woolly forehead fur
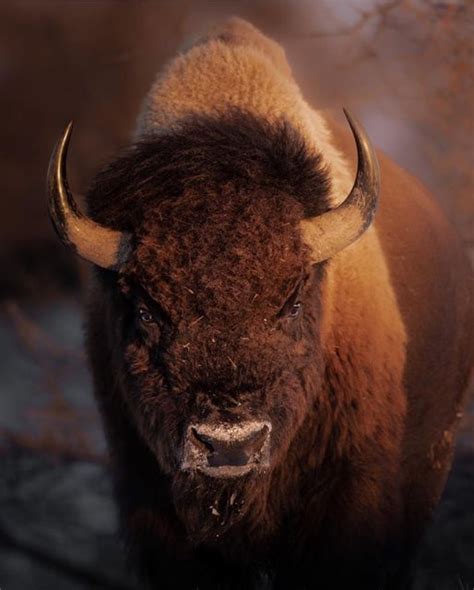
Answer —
214 206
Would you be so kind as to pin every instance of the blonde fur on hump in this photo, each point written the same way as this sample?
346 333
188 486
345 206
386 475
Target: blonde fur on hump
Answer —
237 66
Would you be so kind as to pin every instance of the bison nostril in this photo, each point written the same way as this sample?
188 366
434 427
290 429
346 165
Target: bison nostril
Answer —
201 440
255 441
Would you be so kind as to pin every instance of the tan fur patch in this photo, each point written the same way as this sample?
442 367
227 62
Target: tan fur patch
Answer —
215 75
361 307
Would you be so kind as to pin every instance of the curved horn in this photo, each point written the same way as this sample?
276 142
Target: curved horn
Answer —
98 244
331 232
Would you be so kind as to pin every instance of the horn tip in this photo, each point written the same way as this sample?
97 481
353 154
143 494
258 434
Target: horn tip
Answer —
350 118
63 142
68 129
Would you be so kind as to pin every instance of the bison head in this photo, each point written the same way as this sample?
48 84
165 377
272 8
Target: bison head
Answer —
214 268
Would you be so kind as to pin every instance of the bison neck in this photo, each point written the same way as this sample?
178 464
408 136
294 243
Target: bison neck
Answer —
360 414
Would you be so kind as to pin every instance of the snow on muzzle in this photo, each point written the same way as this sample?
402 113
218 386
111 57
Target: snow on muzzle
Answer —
227 450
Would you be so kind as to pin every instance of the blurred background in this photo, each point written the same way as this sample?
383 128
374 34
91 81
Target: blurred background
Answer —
405 67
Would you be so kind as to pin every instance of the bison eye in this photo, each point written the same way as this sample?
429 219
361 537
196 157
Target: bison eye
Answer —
295 309
145 316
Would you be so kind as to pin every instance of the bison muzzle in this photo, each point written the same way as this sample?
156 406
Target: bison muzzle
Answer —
227 450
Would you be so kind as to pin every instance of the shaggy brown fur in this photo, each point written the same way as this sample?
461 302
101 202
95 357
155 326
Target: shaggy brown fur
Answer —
214 203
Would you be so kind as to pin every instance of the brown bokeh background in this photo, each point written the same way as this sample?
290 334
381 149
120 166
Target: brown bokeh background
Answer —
405 67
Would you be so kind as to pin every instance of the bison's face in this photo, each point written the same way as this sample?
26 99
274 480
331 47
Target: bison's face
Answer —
216 322
220 341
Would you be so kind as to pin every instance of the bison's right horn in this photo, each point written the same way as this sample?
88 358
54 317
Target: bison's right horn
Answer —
98 244
331 232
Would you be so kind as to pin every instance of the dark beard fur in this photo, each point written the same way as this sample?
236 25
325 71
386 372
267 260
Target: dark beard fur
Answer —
212 508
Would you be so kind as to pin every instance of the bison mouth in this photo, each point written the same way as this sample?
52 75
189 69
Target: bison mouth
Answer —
227 450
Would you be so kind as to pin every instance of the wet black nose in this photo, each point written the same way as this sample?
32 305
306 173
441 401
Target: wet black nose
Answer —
234 452
226 449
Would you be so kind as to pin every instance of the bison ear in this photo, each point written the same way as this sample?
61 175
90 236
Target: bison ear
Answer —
331 232
101 245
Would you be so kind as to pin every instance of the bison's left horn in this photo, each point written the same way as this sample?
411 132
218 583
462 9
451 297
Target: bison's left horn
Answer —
331 232
98 244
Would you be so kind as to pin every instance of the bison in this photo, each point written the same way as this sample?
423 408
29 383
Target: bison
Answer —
279 378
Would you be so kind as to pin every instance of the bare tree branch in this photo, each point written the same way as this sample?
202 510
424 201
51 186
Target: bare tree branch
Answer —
378 13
